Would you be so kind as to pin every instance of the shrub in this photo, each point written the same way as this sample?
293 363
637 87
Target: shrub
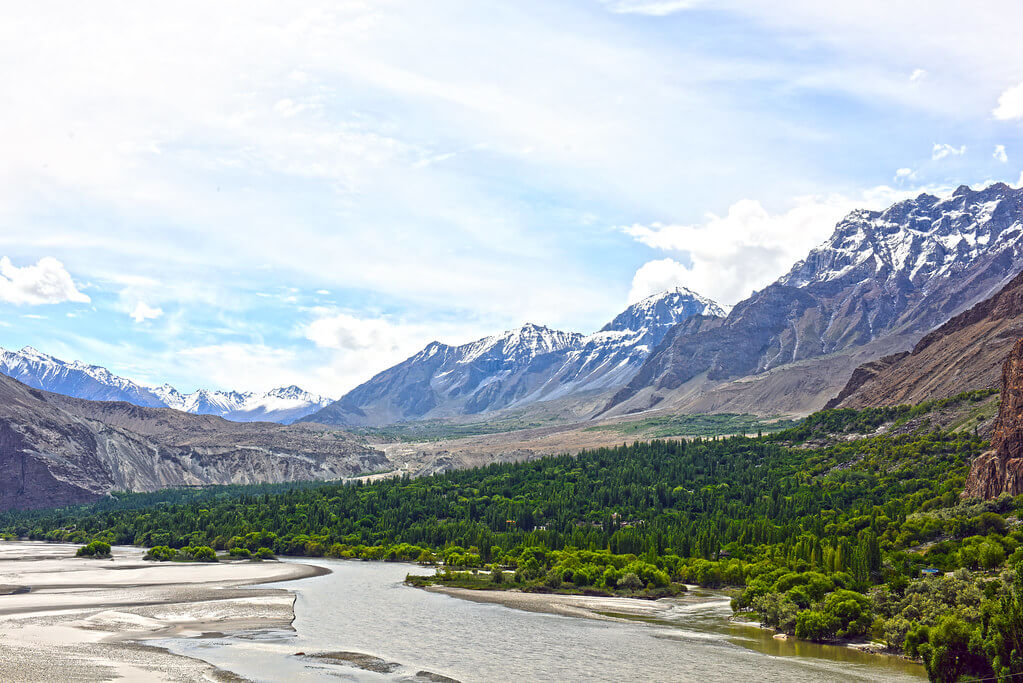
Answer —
161 553
630 581
240 552
94 549
815 625
265 554
200 553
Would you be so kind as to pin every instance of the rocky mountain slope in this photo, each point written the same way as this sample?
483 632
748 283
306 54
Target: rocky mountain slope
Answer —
516 368
57 450
95 383
882 280
1000 470
967 352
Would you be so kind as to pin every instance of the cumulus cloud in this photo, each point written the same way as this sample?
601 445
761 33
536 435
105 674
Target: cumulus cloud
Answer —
731 255
942 150
47 282
143 312
1010 104
658 276
348 332
999 154
904 174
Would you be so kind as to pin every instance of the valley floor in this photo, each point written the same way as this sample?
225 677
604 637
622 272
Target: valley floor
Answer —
68 618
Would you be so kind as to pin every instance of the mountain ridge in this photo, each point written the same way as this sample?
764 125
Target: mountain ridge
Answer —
96 383
447 381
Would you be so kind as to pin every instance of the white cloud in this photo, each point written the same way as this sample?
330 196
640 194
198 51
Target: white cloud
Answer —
47 282
362 347
904 174
344 331
653 8
999 154
1010 104
144 312
918 75
942 150
240 366
657 276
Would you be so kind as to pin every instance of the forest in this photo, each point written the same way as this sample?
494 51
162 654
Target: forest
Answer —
827 531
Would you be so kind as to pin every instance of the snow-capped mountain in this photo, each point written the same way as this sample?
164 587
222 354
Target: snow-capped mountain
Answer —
883 276
43 371
73 378
917 240
517 367
283 404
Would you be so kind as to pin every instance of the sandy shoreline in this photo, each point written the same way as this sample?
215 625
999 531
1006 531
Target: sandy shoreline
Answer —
67 618
587 606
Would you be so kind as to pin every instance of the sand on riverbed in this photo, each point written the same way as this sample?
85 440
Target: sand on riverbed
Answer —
587 606
67 618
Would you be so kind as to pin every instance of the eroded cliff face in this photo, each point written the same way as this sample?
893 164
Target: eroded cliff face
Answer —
56 450
1000 470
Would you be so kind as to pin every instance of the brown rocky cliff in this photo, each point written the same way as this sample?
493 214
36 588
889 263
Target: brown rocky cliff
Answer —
1000 470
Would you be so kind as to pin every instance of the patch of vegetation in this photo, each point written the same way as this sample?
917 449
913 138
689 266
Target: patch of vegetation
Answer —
189 553
440 430
863 421
716 424
97 549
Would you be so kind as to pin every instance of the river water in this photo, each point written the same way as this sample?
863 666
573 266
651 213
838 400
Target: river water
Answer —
364 607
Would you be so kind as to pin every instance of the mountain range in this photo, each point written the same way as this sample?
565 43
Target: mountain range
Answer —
872 290
516 368
875 287
95 383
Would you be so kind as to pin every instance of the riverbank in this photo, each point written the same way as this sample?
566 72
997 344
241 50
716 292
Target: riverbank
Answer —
587 606
63 617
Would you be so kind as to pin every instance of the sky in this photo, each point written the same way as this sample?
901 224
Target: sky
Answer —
244 195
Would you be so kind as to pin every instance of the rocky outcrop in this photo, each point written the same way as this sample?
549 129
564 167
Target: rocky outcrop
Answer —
1000 470
967 352
864 374
56 450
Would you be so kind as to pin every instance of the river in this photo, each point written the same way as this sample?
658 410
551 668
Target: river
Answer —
364 607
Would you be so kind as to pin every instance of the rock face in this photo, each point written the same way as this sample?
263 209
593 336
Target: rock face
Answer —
899 272
81 380
1000 470
56 450
967 352
516 368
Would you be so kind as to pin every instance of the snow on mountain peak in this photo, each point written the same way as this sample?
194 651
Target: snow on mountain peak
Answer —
93 382
916 240
665 309
520 344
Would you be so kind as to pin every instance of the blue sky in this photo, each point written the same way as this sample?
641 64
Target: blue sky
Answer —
249 195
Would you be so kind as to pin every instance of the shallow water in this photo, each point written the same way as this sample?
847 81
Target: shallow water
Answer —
364 607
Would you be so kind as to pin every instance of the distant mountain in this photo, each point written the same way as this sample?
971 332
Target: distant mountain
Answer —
883 276
57 450
516 368
92 382
284 404
95 383
965 353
